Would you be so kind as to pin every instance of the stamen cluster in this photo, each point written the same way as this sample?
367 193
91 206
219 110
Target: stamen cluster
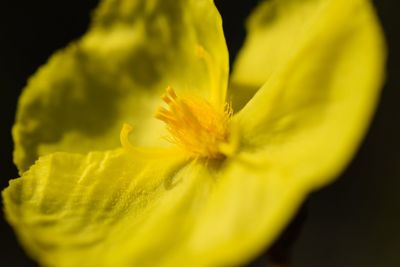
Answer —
195 125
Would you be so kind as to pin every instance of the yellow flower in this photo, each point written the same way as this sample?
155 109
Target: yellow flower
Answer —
194 183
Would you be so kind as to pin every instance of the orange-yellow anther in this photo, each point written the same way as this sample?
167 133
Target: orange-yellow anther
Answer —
194 124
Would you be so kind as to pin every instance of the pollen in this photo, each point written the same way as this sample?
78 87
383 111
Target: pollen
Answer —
194 124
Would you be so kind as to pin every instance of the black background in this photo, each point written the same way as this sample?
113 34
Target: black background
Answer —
355 222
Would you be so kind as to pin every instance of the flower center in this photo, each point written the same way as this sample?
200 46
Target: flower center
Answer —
194 124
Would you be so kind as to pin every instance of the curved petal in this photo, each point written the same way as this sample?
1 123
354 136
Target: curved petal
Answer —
245 212
113 209
69 208
311 114
116 73
274 30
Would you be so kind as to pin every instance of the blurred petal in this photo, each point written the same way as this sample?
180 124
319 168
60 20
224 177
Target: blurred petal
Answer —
112 209
246 210
116 73
308 119
274 30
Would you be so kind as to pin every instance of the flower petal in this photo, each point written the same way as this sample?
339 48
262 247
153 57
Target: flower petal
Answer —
308 119
274 30
245 212
113 209
116 73
69 208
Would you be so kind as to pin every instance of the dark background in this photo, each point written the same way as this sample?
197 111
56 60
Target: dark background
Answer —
355 222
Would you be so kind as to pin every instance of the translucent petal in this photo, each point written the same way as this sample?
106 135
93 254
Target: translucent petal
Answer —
117 72
274 29
246 210
114 209
69 208
310 116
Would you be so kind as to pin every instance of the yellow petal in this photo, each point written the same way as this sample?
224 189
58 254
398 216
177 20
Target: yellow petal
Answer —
246 209
112 209
308 119
117 72
274 30
69 208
